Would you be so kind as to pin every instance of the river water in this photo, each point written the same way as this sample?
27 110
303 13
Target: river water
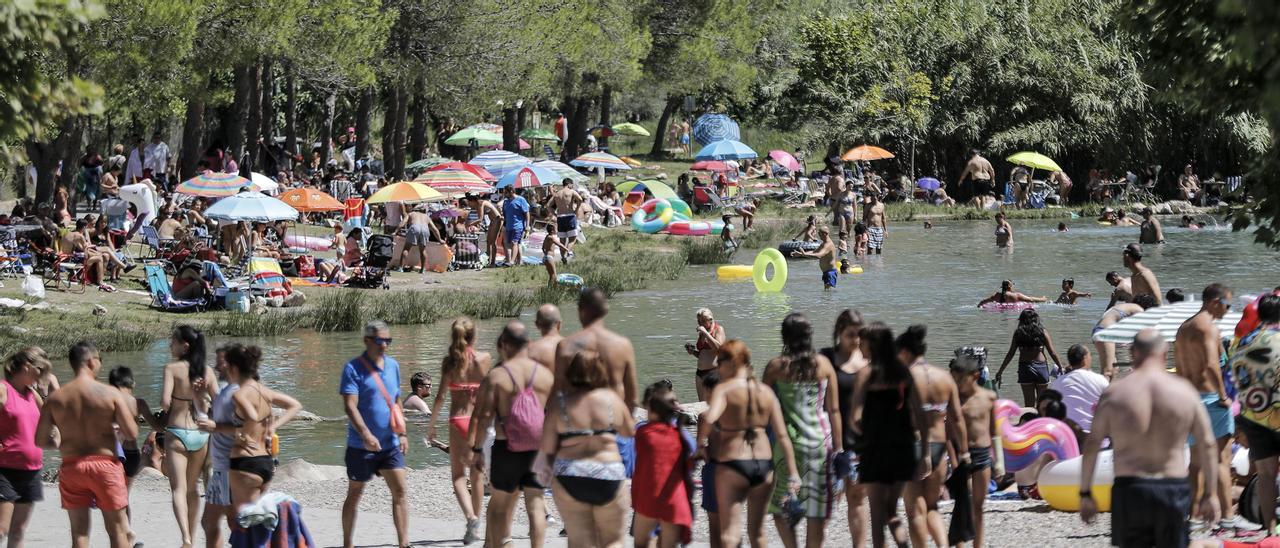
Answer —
933 276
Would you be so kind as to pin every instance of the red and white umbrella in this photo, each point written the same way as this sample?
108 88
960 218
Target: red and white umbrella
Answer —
462 166
454 183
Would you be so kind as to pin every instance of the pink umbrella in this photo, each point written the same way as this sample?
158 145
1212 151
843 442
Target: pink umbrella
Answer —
785 159
524 145
709 165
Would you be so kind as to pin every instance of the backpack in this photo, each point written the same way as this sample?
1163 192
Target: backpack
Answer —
523 423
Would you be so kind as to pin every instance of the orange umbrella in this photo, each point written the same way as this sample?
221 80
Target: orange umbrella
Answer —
307 200
866 152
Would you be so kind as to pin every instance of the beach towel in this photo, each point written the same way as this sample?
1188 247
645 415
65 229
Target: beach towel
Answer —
288 529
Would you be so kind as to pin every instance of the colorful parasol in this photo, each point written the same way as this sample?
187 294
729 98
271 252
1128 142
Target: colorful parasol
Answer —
709 165
454 182
563 170
308 200
599 159
529 176
406 192
499 162
213 185
866 153
785 159
478 171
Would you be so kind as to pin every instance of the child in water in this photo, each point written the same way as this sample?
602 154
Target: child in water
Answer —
1062 227
860 239
1069 293
726 236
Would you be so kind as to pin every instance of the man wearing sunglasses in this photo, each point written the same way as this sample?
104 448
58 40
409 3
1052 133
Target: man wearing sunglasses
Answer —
1196 350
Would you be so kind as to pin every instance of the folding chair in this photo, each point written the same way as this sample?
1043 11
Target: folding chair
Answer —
162 295
551 154
159 247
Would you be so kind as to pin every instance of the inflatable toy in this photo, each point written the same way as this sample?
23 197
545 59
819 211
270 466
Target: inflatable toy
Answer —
142 198
570 279
1025 443
1249 318
680 209
716 226
790 246
1008 306
760 270
653 215
313 243
689 228
855 269
1059 483
734 271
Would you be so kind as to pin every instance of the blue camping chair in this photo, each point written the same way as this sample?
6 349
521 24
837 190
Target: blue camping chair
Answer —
162 294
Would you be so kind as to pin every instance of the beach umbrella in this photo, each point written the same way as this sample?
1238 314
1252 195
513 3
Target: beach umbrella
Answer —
711 127
251 206
1165 319
538 135
785 159
1034 160
448 213
499 162
656 187
486 127
709 165
928 183
406 192
264 184
426 163
521 144
476 170
630 161
482 137
308 200
866 153
725 150
454 182
599 159
529 176
213 185
630 129
563 170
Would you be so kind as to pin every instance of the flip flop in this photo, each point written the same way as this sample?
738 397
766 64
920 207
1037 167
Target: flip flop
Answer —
106 288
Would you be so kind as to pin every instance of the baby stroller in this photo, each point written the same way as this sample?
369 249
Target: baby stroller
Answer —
372 271
467 253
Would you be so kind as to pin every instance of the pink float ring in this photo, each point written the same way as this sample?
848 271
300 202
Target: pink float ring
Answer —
1025 443
1008 306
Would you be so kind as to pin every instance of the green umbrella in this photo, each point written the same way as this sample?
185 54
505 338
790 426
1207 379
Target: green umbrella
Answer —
426 163
631 129
538 135
1034 160
657 188
482 137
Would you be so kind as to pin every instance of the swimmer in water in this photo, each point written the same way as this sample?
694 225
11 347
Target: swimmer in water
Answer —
826 255
1069 293
1008 295
1187 222
928 225
1062 227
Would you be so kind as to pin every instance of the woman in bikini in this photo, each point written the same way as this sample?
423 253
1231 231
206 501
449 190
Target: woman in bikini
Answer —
940 406
845 355
187 384
461 372
252 425
710 337
583 465
1031 340
738 413
1004 232
1007 295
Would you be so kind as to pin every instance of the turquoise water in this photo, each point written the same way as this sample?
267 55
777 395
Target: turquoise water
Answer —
934 277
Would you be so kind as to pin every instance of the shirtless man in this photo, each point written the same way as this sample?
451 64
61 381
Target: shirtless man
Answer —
877 225
1143 279
1148 416
86 412
1123 291
1152 233
420 231
564 203
484 209
543 350
1195 353
826 254
1107 350
835 188
979 174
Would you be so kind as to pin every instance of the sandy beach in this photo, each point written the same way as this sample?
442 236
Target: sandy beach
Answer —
436 521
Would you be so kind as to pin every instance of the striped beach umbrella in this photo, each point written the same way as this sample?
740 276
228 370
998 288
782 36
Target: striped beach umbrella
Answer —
710 128
599 159
563 170
725 150
499 162
406 192
478 171
213 185
1165 319
454 182
529 176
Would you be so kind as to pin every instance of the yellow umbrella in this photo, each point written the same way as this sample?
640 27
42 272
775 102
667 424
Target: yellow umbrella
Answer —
630 161
865 153
1034 160
406 192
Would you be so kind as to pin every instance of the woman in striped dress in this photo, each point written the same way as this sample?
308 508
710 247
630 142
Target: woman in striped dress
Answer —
805 383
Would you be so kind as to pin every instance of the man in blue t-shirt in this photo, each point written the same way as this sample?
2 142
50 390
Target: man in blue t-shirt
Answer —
515 215
370 385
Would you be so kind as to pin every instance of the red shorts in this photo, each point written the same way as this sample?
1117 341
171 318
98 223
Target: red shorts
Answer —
97 480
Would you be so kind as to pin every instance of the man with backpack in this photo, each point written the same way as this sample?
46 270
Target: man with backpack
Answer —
515 394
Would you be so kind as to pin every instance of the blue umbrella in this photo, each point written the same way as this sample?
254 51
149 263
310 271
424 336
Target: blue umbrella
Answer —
530 176
928 183
251 206
725 150
499 162
710 128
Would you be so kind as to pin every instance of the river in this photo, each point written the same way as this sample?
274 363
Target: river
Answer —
932 276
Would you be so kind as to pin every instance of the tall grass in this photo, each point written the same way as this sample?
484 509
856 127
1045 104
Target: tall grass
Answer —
705 250
57 332
268 324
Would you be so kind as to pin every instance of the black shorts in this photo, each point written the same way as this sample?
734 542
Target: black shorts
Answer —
20 486
888 464
363 464
1263 442
1033 373
1150 512
510 470
132 461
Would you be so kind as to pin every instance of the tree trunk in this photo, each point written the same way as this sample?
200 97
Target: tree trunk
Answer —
606 108
268 131
418 131
660 132
291 114
254 124
326 128
402 128
570 143
510 140
235 120
363 111
45 157
522 115
193 129
69 150
388 128
578 126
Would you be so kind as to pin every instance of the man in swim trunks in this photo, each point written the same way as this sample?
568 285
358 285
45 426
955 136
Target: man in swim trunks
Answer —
1152 233
543 350
565 203
877 225
826 254
1195 353
977 178
85 412
372 446
1142 279
1148 415
1123 291
419 233
516 221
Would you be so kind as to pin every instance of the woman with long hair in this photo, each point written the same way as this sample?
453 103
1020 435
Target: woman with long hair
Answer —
1030 341
888 443
739 411
805 383
20 458
583 465
845 355
940 406
461 372
253 425
187 384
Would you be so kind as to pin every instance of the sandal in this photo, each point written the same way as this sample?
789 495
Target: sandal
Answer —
106 288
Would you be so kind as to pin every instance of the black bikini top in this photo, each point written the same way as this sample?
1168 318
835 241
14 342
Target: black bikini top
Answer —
579 432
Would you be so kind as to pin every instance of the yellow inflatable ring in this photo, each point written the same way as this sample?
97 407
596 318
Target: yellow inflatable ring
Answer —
1059 483
734 271
760 269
